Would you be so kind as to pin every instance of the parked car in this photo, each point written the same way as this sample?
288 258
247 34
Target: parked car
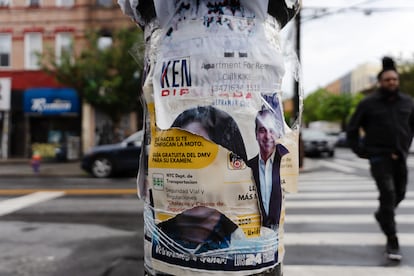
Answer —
109 160
317 142
341 141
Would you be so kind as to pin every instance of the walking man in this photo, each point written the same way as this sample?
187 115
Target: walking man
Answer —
381 130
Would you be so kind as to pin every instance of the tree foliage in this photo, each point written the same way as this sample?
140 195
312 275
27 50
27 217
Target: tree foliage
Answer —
107 78
337 108
406 71
312 110
322 105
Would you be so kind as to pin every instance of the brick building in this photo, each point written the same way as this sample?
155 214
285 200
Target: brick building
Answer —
39 111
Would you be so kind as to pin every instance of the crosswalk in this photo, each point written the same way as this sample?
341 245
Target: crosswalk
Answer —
11 205
330 228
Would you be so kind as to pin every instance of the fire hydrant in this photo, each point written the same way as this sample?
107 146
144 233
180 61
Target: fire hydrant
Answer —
36 158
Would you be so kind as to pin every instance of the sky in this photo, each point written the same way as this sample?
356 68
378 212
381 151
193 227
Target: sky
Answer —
333 45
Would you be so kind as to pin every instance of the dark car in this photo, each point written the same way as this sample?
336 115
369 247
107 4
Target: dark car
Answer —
317 142
109 160
342 141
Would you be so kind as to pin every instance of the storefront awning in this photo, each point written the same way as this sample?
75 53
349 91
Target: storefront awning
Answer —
23 79
51 101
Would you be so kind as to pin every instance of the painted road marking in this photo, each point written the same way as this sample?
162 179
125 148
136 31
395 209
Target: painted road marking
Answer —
360 165
337 188
329 176
14 192
11 205
343 219
337 167
334 194
341 204
337 194
322 191
335 238
329 270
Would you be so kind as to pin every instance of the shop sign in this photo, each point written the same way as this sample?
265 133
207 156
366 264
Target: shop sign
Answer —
5 90
51 101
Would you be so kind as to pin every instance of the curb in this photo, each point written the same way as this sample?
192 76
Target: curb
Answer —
22 168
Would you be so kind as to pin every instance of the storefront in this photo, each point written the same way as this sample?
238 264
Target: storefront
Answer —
53 122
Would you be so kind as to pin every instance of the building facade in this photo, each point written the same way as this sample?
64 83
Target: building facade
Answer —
42 111
359 79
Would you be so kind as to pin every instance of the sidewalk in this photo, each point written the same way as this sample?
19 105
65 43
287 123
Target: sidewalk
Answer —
22 168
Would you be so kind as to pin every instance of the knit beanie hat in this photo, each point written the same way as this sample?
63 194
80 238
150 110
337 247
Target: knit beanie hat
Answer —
387 65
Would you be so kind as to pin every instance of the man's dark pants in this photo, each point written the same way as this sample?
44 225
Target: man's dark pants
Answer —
391 178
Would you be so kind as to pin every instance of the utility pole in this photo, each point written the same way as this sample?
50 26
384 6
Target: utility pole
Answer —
5 90
296 82
5 136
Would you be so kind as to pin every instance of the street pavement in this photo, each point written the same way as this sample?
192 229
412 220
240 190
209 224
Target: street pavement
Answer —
329 229
23 168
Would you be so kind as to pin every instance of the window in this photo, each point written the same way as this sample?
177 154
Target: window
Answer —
105 3
64 46
33 3
104 42
5 50
32 47
4 3
65 3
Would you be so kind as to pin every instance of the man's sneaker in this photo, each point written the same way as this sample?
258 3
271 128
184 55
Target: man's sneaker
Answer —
393 249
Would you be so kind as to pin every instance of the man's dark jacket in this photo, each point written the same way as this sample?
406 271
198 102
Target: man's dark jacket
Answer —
270 220
387 120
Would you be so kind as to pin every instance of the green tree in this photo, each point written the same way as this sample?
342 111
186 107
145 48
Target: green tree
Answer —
325 106
407 77
355 101
105 77
336 108
312 110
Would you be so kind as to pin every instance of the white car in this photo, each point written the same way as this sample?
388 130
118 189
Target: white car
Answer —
317 143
